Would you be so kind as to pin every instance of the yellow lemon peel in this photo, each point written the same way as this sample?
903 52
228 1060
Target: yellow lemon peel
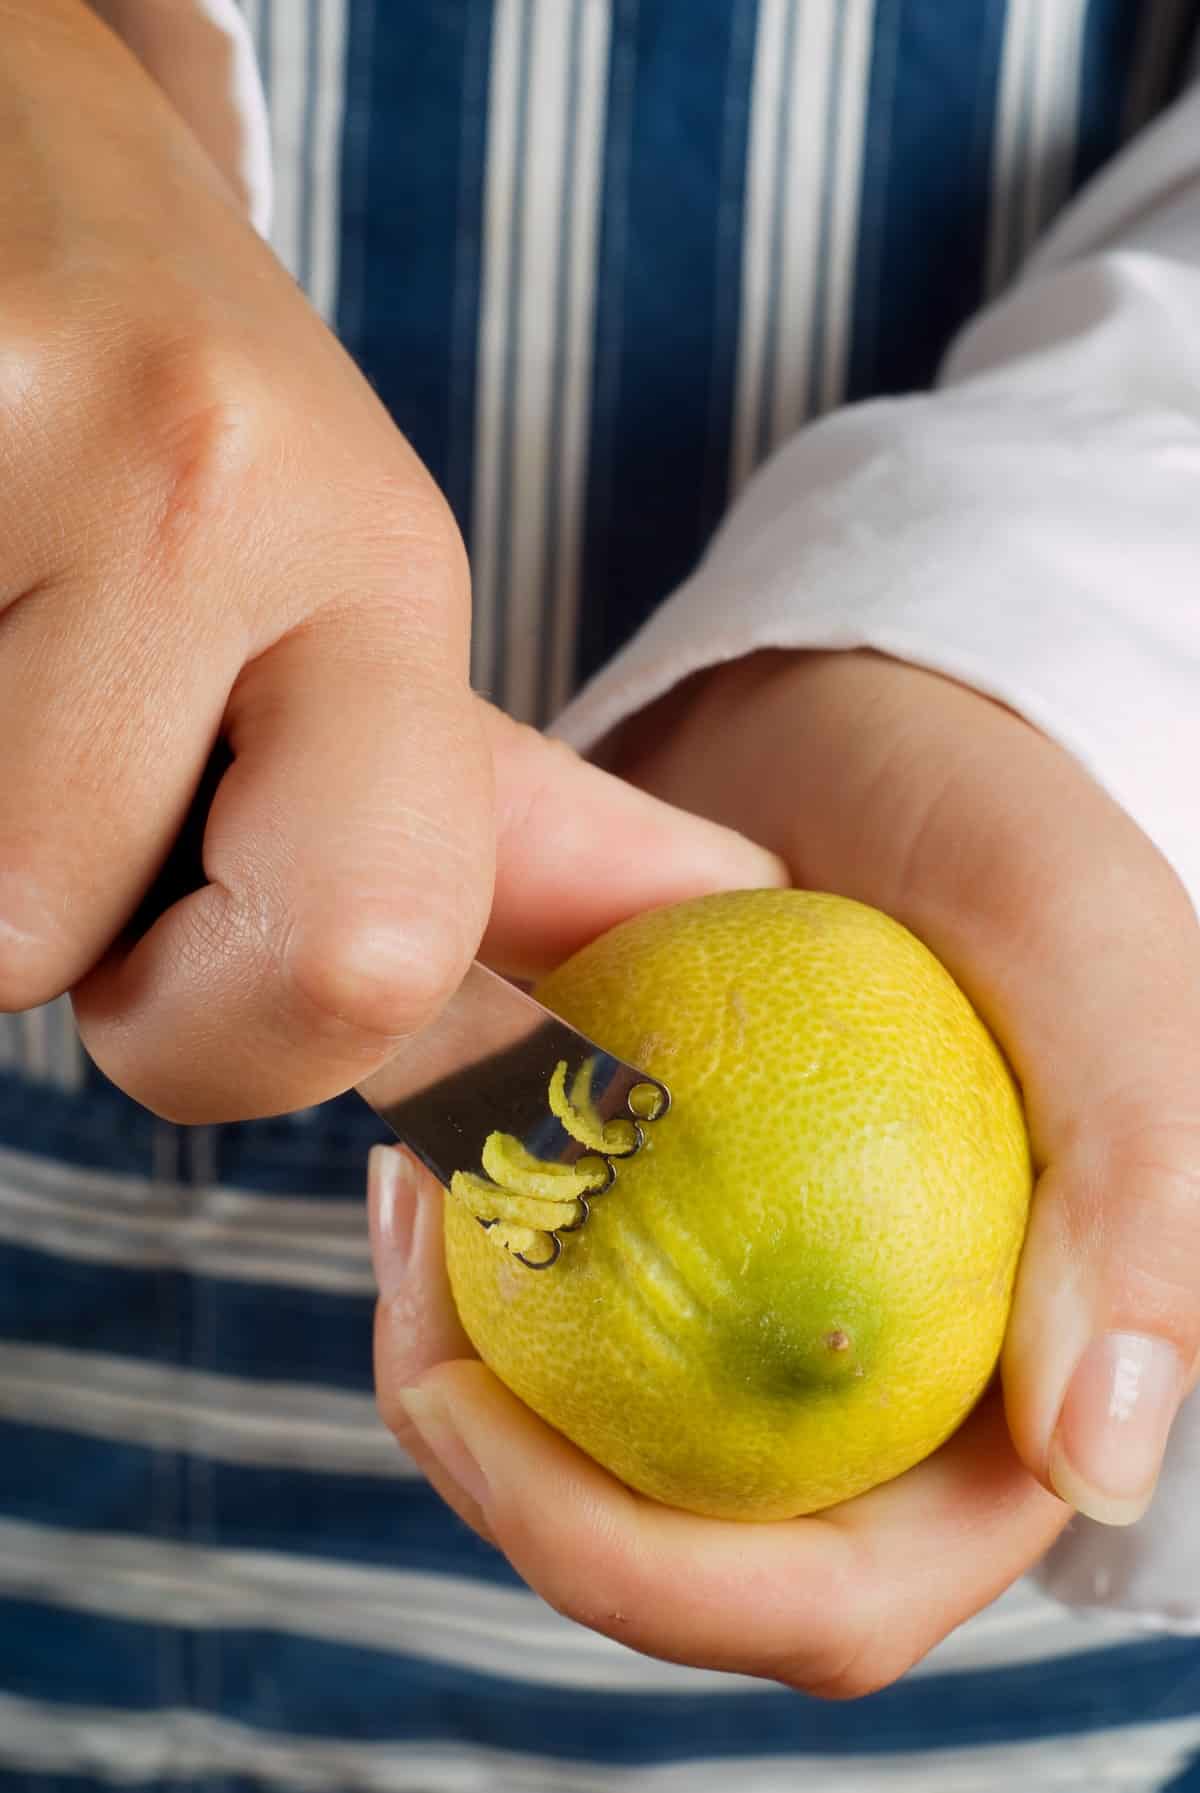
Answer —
508 1163
577 1114
489 1201
522 1200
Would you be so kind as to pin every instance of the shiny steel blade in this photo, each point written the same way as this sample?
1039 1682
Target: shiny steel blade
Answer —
485 1065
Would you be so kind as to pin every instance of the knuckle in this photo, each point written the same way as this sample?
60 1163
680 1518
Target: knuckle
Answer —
868 1672
863 1662
203 418
410 561
186 406
377 979
855 1651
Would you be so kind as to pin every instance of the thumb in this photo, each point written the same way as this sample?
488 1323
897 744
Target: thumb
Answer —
579 850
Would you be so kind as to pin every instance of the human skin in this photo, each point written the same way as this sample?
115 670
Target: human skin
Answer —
1079 946
211 531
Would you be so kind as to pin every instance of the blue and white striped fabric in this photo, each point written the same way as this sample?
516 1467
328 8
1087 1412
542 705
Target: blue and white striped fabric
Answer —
599 257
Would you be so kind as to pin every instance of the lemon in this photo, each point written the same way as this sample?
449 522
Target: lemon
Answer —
798 1287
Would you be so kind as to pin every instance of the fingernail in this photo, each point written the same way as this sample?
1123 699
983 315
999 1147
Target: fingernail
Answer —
430 1414
392 1206
1107 1447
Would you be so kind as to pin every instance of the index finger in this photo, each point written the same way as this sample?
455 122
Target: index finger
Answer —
349 862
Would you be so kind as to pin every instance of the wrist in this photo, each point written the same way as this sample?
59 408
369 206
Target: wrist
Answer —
84 127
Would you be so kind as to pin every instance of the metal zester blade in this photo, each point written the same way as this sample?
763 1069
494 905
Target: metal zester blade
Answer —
486 1063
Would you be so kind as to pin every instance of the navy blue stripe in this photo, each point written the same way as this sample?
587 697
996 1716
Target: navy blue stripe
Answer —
97 1128
28 1781
1188 1781
321 1152
120 1493
508 420
412 189
256 1330
926 187
59 1478
315 1689
668 277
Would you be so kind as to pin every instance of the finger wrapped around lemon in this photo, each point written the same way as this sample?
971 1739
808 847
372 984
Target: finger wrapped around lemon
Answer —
798 1287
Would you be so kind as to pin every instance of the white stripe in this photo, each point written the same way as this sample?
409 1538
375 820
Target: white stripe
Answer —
1037 121
87 1215
808 96
169 1408
859 31
284 74
525 250
307 161
49 1050
35 1037
285 78
581 248
72 1064
1012 102
129 1748
541 251
452 1619
326 152
1055 114
767 100
804 177
253 12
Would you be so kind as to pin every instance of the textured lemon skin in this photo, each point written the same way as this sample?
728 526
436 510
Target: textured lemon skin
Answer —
799 1287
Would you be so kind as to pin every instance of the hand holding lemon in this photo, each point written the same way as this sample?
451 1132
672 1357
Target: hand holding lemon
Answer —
1075 945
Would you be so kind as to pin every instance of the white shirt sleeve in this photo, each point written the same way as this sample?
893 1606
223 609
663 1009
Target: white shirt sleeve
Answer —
1031 528
200 53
